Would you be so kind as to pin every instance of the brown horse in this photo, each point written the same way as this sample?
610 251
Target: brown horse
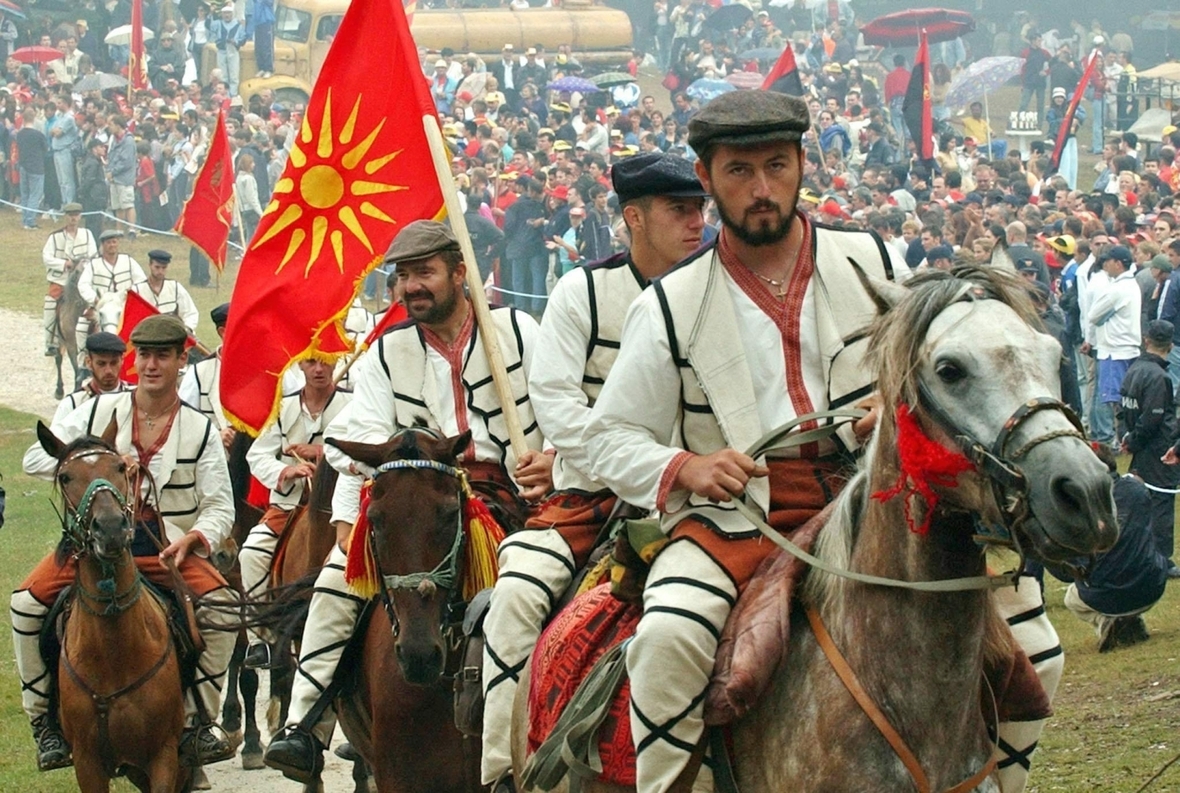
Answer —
70 307
965 355
118 675
400 714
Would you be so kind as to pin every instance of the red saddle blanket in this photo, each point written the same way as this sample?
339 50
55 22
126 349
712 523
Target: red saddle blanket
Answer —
752 645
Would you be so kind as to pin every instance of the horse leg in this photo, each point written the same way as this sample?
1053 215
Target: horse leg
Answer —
316 785
231 711
200 780
59 390
362 779
252 747
163 772
90 775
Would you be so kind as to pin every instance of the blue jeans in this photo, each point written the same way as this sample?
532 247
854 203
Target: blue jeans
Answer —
1026 93
1097 120
264 48
528 278
63 163
32 190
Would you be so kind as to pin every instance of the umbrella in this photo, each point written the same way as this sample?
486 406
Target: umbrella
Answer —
706 88
981 78
121 36
571 84
745 79
728 17
9 7
611 79
37 54
99 81
761 54
901 29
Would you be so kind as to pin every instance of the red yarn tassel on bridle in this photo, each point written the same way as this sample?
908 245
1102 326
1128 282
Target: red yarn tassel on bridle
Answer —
923 463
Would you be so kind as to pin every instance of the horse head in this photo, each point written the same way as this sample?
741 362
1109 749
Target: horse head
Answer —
416 516
966 354
96 489
109 309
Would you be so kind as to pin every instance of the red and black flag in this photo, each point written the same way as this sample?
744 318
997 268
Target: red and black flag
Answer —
1070 111
916 107
784 77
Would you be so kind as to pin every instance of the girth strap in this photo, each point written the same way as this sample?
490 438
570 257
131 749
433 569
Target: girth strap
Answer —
850 681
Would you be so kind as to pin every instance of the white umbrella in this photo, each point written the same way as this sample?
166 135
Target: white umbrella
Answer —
121 36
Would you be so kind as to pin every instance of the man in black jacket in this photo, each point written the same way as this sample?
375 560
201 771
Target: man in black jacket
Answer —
92 186
524 248
167 62
1150 419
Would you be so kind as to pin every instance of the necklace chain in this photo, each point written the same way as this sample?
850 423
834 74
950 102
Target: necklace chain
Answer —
151 420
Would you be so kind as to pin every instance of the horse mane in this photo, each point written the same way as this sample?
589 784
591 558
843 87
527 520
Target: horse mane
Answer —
323 484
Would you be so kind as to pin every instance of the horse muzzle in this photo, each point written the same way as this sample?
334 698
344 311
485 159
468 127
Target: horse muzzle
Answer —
1071 506
111 536
420 665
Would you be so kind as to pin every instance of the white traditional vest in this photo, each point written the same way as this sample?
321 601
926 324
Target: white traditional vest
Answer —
718 404
79 248
167 301
179 500
71 402
292 427
402 353
208 374
111 278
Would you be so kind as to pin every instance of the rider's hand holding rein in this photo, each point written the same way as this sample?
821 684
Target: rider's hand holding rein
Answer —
720 475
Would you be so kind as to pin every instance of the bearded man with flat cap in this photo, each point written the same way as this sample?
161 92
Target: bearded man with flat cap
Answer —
763 326
185 512
429 372
662 203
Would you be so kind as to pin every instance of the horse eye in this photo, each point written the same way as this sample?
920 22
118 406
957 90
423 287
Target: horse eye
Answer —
122 468
949 372
63 479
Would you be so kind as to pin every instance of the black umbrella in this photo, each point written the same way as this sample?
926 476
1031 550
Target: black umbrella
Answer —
730 17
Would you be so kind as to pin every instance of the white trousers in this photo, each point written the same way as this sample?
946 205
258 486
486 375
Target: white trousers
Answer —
331 621
28 615
49 321
536 567
258 551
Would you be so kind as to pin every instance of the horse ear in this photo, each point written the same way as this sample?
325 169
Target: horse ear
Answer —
111 432
50 442
370 454
884 294
460 443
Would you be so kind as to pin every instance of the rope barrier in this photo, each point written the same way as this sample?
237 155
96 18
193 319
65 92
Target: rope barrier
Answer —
1155 489
517 294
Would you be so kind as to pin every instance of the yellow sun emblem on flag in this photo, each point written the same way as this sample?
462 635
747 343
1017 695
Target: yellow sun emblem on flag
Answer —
316 198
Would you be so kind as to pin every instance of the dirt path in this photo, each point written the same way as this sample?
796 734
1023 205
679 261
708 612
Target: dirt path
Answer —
27 385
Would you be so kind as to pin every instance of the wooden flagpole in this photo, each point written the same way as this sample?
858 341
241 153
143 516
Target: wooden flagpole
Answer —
479 301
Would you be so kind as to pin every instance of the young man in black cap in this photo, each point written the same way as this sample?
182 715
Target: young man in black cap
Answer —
661 201
429 372
165 293
187 505
104 361
762 327
1148 415
104 283
64 251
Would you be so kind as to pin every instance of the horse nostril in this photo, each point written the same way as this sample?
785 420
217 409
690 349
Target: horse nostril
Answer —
1069 495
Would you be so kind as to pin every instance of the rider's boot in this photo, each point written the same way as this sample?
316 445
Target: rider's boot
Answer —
52 749
297 753
257 656
200 745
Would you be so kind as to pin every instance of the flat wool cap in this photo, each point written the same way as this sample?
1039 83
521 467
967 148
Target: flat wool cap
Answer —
1160 332
72 208
749 118
158 255
220 315
653 175
110 234
421 240
159 330
105 342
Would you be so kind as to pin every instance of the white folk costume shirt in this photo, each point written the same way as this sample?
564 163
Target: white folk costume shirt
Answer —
293 425
79 397
100 277
412 376
582 329
61 248
173 299
710 362
192 480
200 388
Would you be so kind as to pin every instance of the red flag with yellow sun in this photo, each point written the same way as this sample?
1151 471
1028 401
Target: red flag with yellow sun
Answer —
359 170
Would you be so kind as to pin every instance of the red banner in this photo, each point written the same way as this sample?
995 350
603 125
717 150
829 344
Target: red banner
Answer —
784 77
136 65
360 169
394 314
135 310
1071 111
207 216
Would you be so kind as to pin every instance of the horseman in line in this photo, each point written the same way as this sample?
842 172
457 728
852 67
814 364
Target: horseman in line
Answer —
183 513
104 360
167 294
764 326
64 252
104 284
283 458
662 202
431 373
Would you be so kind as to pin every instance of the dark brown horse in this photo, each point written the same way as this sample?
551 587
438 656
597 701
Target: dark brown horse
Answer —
119 678
70 308
400 714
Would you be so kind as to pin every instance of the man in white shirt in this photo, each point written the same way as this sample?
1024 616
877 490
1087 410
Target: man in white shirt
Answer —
1091 279
64 251
104 284
165 293
1115 313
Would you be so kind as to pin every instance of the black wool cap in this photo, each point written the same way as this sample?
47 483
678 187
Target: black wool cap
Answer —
749 118
105 342
220 315
654 175
158 255
1160 332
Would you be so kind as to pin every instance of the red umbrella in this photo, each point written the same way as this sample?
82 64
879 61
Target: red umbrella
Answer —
901 29
37 54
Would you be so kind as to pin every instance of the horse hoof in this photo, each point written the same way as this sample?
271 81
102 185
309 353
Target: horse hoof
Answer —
201 780
252 762
235 738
